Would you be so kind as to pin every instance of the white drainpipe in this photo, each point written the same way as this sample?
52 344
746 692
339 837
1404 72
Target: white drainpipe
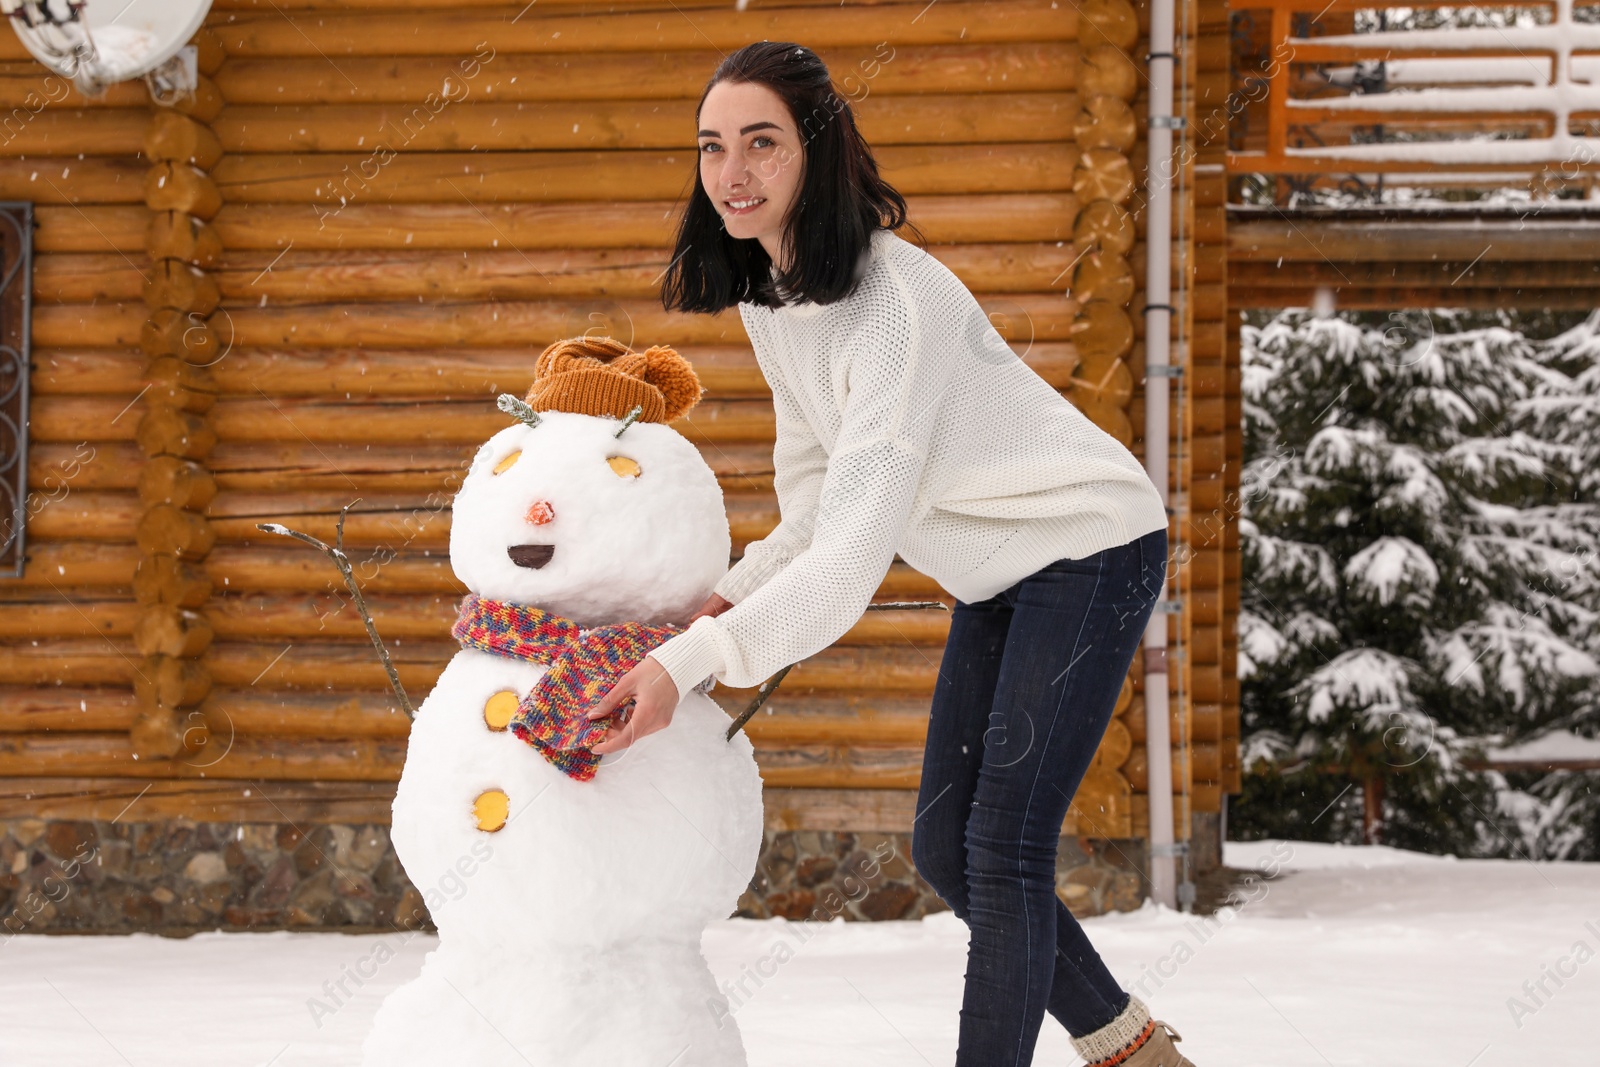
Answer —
1157 326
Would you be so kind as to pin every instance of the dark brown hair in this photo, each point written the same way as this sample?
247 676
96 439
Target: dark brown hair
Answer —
828 227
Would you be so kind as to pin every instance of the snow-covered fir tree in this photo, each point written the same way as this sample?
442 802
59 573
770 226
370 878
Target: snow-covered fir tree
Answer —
1408 557
1559 812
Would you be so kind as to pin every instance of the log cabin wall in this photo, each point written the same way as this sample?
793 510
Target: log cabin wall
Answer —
301 291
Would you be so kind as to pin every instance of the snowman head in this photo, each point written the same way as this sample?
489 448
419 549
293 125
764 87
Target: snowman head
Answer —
581 511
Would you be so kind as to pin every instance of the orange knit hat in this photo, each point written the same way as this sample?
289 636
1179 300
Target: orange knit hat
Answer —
597 375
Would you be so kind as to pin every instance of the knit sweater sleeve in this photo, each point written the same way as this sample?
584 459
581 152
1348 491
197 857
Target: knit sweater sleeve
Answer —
866 498
798 463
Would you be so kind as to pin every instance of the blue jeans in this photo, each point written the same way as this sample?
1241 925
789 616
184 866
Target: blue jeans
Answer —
1027 685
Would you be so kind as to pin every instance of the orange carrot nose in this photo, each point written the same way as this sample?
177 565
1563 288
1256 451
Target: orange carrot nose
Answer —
540 513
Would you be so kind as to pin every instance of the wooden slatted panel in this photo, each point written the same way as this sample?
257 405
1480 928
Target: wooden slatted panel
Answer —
339 383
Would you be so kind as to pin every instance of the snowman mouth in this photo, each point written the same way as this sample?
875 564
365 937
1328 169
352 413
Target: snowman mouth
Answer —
531 556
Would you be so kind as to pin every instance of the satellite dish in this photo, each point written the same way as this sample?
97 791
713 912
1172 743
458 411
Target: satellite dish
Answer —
98 42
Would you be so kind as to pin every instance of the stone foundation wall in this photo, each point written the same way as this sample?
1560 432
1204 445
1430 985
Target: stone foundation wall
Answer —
181 877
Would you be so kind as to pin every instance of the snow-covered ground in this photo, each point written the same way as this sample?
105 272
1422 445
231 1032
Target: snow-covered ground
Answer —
1355 956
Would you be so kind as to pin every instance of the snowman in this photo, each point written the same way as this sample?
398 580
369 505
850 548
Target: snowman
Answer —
571 890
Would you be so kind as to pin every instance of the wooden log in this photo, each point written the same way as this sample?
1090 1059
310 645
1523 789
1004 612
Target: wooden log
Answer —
70 181
87 277
1205 763
180 187
537 323
181 287
27 85
56 471
312 669
423 125
1103 329
1205 721
170 432
204 104
90 227
840 766
1106 225
73 421
160 733
850 810
186 336
1105 69
334 179
135 800
256 713
172 383
1113 21
1115 746
463 32
1103 174
80 564
86 371
454 226
178 138
179 235
726 371
54 708
273 467
1102 805
261 568
454 422
1105 121
1102 378
179 482
886 657
1206 797
67 613
165 530
83 755
73 132
172 682
1105 277
164 630
1019 66
168 579
320 277
86 516
84 326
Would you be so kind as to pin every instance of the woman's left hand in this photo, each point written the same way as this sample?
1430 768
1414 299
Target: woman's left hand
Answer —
655 698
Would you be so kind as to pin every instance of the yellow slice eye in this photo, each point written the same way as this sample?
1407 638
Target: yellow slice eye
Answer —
505 464
623 467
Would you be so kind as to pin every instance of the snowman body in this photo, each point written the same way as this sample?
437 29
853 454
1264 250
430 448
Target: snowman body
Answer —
570 935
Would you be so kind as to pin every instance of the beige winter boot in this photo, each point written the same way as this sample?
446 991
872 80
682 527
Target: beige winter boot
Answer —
1132 1039
1157 1051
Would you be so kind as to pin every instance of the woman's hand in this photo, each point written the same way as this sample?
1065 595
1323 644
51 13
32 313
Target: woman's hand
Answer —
713 606
655 698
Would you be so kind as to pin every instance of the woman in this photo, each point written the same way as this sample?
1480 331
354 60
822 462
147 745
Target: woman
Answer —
905 423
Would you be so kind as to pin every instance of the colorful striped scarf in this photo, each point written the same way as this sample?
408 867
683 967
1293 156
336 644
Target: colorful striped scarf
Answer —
584 665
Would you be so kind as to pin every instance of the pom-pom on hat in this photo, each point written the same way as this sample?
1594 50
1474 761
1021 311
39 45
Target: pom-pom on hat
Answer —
598 375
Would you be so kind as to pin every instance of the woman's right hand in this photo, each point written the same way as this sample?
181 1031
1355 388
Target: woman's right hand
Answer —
713 606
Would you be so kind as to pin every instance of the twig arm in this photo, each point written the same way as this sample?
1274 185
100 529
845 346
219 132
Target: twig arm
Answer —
342 561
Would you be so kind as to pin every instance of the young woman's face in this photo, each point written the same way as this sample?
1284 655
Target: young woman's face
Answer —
750 152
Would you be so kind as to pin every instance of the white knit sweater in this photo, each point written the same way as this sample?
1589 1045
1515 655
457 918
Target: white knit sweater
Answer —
905 423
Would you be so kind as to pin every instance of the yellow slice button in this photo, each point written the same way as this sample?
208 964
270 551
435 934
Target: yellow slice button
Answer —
498 709
505 464
491 809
